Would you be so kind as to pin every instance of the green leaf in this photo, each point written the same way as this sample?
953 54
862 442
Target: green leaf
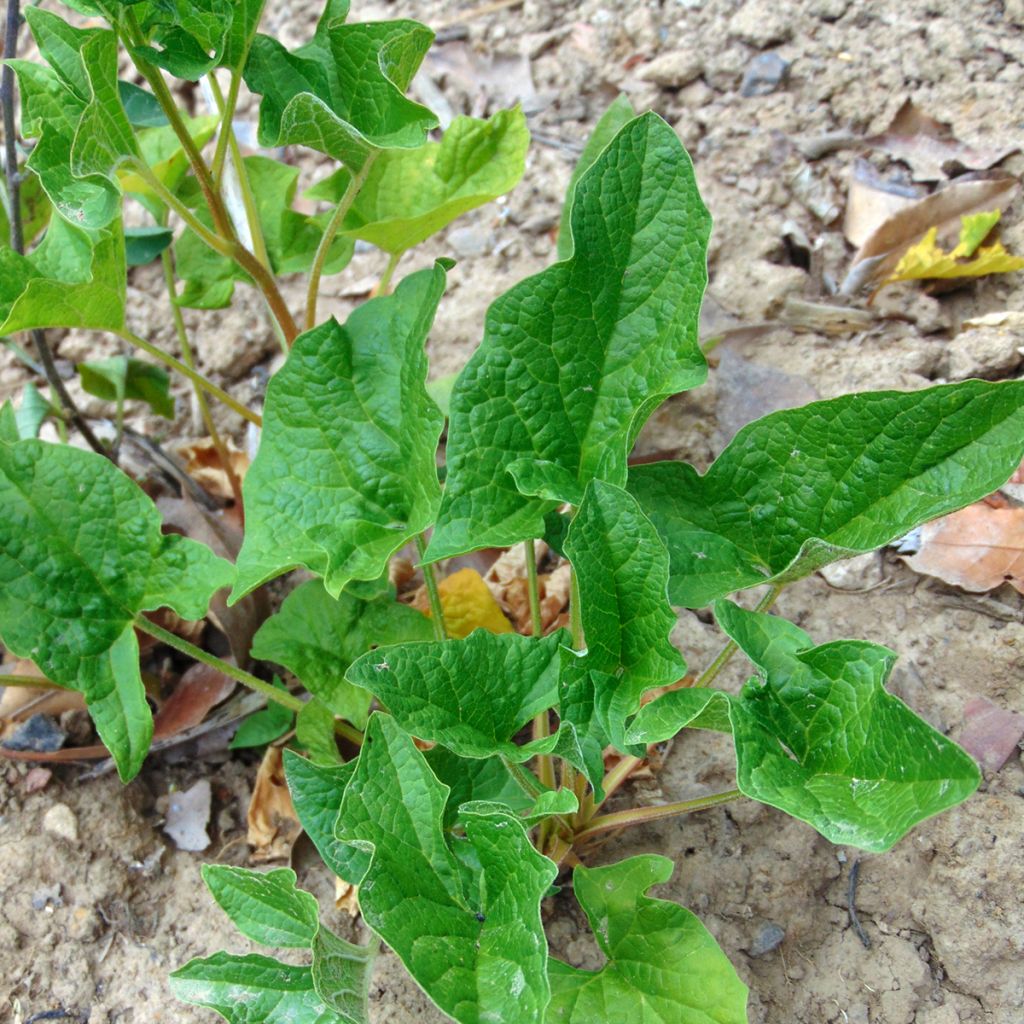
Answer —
473 695
343 92
144 244
341 975
621 568
9 432
819 737
411 194
120 377
252 989
470 939
162 152
314 731
680 709
663 965
189 35
31 413
141 107
35 210
574 359
554 801
474 778
619 113
804 487
346 470
264 726
74 108
316 793
81 554
266 907
74 278
317 637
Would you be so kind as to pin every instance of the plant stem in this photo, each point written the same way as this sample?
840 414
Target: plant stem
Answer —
384 284
618 776
436 608
533 588
282 697
708 676
197 378
575 619
187 359
17 236
640 815
517 772
344 205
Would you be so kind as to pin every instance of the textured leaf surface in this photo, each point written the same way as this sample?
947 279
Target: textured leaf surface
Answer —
81 553
346 474
317 637
411 194
341 975
264 726
470 939
680 709
266 907
819 737
474 778
74 278
619 113
574 359
805 487
663 966
343 92
314 731
472 696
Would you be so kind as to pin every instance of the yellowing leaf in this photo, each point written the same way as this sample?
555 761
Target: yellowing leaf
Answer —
927 261
468 604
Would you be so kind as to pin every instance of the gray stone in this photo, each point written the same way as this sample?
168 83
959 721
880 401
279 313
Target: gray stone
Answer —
673 70
60 821
39 733
764 74
987 352
761 23
769 937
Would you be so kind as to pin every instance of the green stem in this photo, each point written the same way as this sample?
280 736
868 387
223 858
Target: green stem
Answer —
345 204
616 777
282 697
642 815
197 378
436 608
384 285
523 777
708 676
533 588
575 619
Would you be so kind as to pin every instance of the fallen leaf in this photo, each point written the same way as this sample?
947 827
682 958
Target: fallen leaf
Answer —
273 825
978 548
880 253
872 198
199 690
927 261
467 603
990 733
929 147
188 814
554 597
203 463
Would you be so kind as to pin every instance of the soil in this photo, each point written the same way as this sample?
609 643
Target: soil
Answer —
98 904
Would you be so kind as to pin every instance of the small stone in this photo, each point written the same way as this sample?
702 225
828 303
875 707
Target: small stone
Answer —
991 733
60 821
858 573
673 70
769 937
47 897
39 733
188 813
760 23
474 240
540 223
987 352
764 74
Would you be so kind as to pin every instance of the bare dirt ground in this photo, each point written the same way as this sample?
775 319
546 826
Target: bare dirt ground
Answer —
98 905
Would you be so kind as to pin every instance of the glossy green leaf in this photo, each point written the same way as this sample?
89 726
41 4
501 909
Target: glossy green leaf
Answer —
819 737
81 554
411 194
74 278
554 801
664 717
141 107
471 939
144 244
314 731
317 637
264 726
473 695
619 113
574 359
73 107
346 470
342 93
341 975
253 989
621 569
118 378
664 967
31 412
804 487
265 906
474 779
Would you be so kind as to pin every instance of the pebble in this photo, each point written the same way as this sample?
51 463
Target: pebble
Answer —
60 821
986 352
39 733
769 937
467 242
47 896
673 70
764 74
760 23
188 813
857 573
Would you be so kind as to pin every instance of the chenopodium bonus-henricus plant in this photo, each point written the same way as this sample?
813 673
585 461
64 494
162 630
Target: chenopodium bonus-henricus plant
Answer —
454 847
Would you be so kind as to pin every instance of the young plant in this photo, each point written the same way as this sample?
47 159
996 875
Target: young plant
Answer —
480 777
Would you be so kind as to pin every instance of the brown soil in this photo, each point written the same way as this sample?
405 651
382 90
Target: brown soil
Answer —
93 924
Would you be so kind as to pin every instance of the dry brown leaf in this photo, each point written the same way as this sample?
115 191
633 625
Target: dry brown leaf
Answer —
871 199
880 253
199 690
929 147
346 897
273 824
978 548
19 703
203 464
554 596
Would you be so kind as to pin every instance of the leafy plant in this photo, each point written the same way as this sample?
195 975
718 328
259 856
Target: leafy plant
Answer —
453 847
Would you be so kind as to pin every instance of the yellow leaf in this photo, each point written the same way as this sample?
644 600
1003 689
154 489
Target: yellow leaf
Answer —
468 604
927 261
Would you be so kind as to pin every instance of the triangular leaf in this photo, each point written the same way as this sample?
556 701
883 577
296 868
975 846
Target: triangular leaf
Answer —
346 472
680 709
576 358
805 487
820 738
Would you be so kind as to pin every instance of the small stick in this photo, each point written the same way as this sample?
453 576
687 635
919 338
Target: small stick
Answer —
851 905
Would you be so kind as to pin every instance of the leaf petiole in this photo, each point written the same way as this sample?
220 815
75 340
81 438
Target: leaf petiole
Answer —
436 608
708 676
641 815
